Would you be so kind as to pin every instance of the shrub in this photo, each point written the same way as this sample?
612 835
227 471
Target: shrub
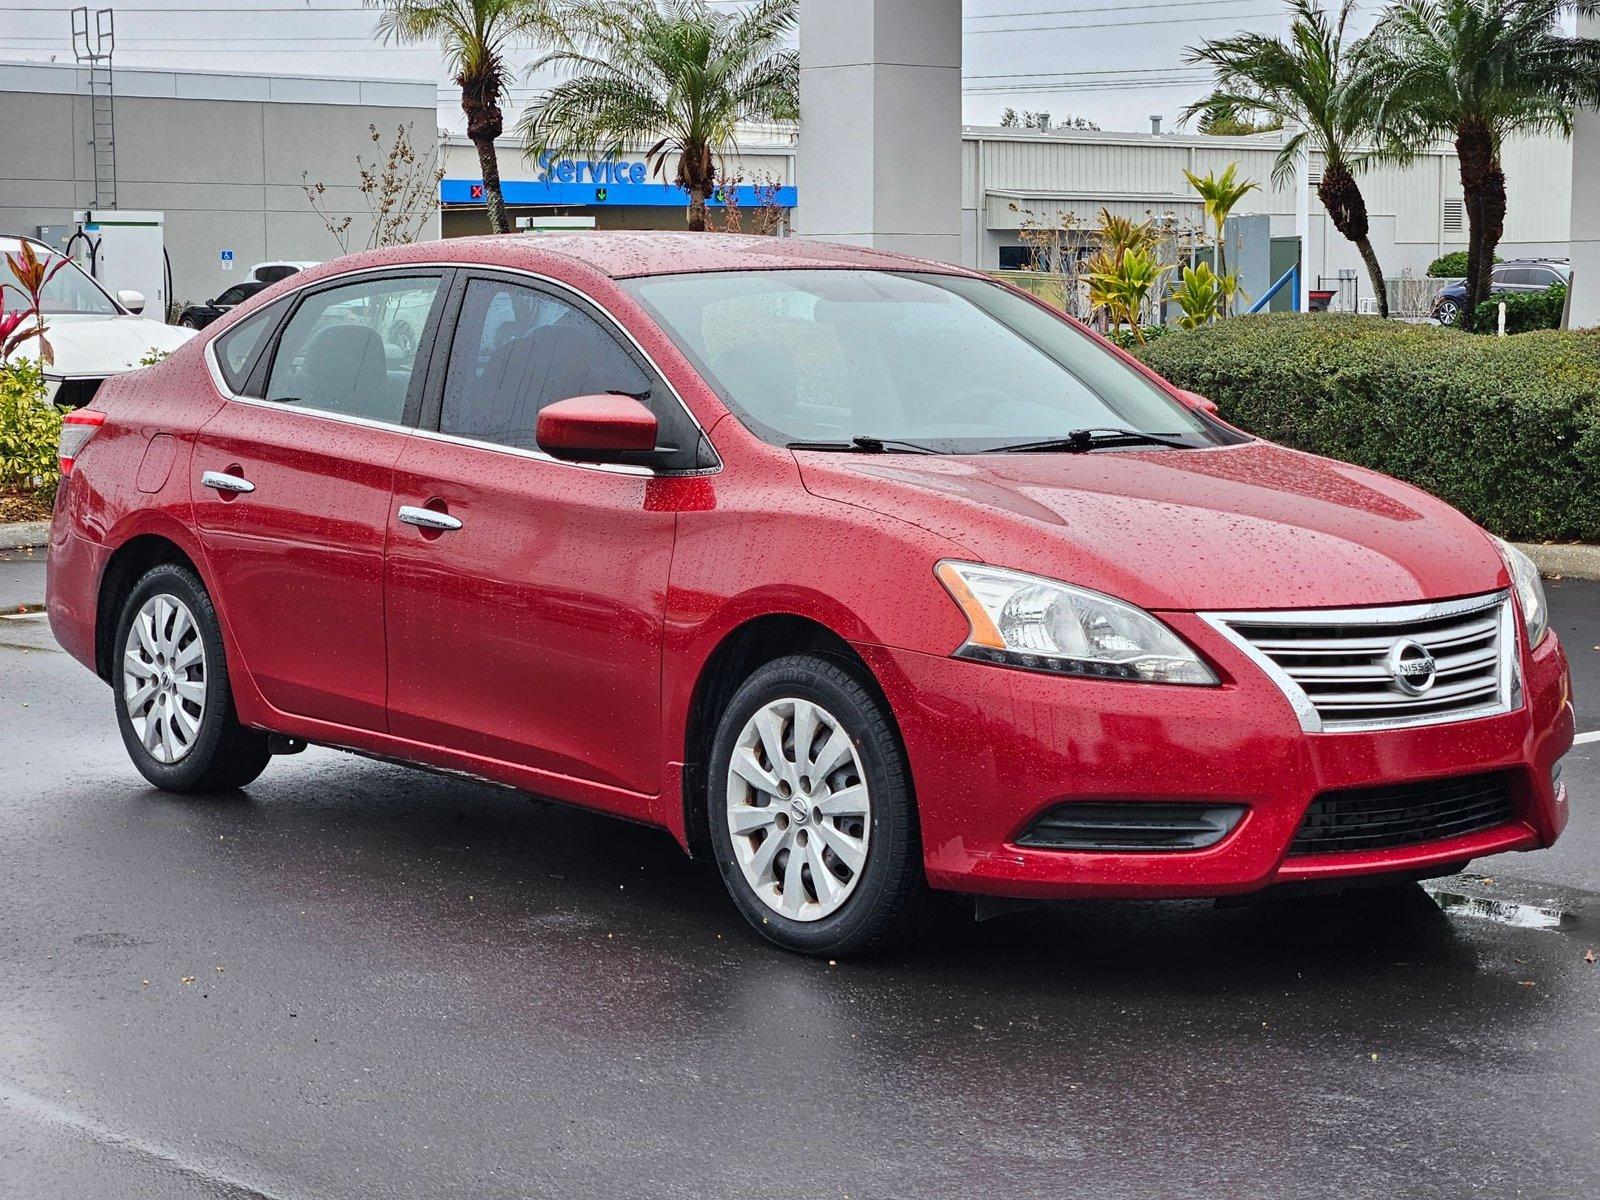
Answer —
1126 339
1525 311
1506 430
1451 266
29 431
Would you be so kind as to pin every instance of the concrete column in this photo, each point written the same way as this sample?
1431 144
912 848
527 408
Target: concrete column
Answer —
1585 252
879 160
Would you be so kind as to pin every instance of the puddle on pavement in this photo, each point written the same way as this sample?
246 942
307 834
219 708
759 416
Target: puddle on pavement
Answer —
1503 912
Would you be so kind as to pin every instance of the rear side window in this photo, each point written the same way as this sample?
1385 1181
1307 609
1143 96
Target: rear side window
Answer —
236 349
351 350
516 350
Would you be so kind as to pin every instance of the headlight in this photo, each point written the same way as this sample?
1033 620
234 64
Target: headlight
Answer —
1025 621
1530 591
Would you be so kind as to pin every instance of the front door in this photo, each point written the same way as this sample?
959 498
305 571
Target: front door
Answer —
291 484
528 629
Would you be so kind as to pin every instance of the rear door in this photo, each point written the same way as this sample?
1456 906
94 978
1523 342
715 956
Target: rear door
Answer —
291 486
530 631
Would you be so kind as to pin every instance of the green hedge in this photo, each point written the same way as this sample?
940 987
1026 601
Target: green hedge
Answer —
1506 429
1451 266
1525 311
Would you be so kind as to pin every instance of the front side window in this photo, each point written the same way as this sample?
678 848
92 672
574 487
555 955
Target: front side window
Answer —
352 349
234 295
68 292
955 364
516 350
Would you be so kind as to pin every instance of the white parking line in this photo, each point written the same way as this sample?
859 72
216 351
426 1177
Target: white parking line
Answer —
1586 737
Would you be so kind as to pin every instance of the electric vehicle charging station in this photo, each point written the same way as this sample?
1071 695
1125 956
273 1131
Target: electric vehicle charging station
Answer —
125 251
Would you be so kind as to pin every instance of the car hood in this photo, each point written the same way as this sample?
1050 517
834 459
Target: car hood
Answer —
101 346
1254 526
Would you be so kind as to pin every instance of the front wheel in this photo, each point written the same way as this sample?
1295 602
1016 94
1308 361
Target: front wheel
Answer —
1448 313
170 680
811 810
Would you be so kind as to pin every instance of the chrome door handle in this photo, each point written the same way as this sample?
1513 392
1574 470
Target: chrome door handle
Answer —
220 482
428 518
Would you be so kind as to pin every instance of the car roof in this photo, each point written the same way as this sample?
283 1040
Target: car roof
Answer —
626 254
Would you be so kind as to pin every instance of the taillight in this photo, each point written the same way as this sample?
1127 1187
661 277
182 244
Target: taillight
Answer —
77 428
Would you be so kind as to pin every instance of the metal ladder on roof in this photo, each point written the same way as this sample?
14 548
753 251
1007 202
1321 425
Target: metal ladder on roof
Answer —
93 47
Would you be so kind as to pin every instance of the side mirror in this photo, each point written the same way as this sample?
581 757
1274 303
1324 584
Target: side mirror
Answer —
131 300
596 428
1196 400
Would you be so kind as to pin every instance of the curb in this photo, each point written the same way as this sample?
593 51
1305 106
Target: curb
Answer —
24 535
1567 561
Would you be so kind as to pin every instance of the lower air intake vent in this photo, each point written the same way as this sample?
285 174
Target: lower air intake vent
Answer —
1379 818
1132 827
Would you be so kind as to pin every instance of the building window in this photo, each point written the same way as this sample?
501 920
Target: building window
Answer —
1016 258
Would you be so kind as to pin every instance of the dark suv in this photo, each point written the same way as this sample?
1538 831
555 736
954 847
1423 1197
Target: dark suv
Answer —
1518 275
198 316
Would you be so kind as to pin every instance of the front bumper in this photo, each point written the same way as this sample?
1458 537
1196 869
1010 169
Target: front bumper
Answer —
992 748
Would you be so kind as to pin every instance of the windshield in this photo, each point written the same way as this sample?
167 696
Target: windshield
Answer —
954 364
69 290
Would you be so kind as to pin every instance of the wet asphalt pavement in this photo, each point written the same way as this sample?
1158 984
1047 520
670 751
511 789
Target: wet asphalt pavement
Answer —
359 981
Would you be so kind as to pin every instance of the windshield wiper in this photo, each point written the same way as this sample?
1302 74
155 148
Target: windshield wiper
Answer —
1080 440
863 444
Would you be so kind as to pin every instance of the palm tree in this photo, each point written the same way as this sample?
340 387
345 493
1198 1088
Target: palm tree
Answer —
1477 71
677 74
1218 195
476 37
1313 81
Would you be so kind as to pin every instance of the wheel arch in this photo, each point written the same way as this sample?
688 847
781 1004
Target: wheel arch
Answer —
123 569
742 651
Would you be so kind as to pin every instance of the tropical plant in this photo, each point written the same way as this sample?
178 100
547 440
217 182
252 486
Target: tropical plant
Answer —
1203 295
1118 235
1478 71
1125 286
1314 81
1218 194
31 271
677 75
476 37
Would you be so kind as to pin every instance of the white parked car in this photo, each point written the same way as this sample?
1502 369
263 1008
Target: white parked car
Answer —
280 268
92 333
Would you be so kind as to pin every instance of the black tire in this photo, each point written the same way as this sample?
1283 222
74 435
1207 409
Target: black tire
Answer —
1448 313
223 754
891 893
188 323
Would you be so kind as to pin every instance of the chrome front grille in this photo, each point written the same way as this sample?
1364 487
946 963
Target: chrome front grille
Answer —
1366 668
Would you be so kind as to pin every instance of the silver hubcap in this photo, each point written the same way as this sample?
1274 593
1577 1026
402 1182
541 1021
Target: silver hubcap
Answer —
798 809
164 677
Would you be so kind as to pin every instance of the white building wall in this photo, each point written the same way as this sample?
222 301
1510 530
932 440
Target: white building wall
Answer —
1080 171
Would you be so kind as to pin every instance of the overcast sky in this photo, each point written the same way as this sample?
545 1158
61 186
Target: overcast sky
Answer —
1113 63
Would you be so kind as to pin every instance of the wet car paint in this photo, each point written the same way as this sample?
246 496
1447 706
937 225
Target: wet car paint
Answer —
502 652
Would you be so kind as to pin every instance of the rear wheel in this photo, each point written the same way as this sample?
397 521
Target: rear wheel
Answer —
811 810
170 680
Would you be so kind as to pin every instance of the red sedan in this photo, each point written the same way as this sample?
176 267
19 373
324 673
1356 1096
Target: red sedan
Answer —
863 576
